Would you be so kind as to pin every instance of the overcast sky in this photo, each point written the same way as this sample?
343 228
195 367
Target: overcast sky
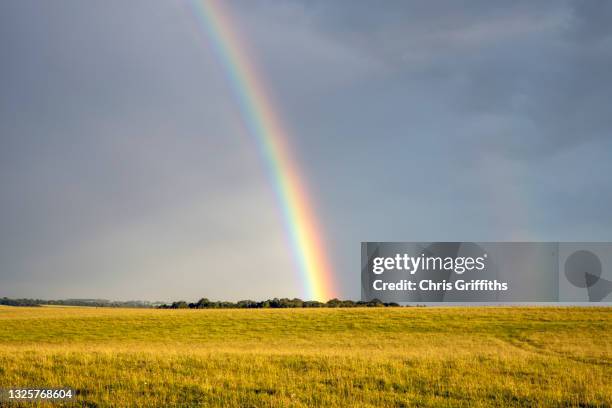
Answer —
126 171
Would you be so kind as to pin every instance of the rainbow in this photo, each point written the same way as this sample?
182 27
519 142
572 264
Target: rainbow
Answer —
263 124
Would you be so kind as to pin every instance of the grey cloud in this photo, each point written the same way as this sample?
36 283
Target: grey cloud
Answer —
592 20
122 152
544 66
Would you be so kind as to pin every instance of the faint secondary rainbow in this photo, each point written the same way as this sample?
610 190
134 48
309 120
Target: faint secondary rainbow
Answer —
264 125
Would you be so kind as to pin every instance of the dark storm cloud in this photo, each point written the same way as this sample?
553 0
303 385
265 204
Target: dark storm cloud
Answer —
467 120
541 69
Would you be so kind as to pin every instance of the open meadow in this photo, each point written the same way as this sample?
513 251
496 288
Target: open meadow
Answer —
378 357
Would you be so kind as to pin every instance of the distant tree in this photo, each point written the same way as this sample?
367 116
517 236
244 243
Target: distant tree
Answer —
375 303
180 305
246 304
202 303
297 302
20 302
313 303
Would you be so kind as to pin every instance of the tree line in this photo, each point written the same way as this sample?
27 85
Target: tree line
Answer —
203 303
275 303
78 302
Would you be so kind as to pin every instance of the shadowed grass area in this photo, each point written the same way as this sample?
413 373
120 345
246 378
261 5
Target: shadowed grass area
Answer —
375 357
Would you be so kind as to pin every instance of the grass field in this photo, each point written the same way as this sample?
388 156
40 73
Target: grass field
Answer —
312 357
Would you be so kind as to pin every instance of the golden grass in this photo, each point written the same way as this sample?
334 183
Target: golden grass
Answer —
494 356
